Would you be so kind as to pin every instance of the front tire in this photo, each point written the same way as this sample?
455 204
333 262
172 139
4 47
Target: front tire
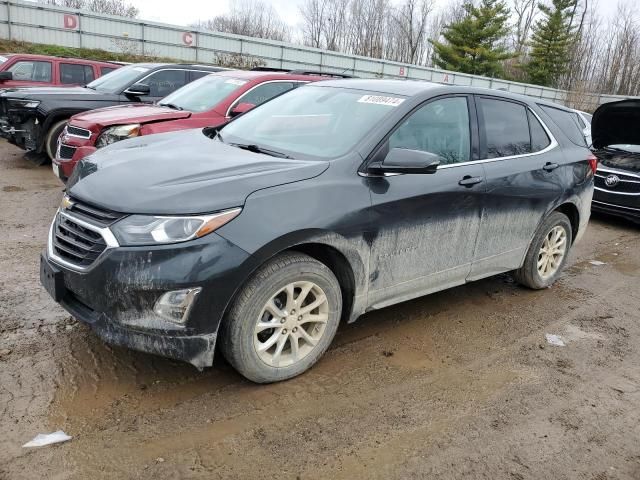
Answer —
547 254
283 319
51 140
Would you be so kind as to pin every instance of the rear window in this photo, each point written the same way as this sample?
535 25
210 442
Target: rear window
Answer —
568 122
539 138
75 74
506 128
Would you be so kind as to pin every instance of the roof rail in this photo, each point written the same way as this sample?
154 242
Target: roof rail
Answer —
320 74
269 69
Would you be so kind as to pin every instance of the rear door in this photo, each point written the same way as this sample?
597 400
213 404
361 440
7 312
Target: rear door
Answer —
525 175
426 224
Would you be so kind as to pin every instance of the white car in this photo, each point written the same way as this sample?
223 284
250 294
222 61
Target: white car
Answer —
584 120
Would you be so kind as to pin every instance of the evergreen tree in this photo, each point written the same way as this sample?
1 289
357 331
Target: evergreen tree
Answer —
551 43
474 44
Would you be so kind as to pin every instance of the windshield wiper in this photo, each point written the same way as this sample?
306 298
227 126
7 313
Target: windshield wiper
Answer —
171 105
252 147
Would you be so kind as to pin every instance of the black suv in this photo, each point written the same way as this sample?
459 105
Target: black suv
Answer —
34 118
331 200
616 141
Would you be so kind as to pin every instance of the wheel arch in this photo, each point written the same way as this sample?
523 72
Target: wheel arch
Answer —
571 211
343 257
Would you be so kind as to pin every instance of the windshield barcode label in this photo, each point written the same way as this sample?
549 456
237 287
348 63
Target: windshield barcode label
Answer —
381 100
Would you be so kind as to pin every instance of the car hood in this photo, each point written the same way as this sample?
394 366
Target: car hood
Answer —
616 123
135 113
73 93
180 173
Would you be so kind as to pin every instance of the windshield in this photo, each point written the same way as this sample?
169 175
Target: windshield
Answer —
203 94
313 121
118 80
3 59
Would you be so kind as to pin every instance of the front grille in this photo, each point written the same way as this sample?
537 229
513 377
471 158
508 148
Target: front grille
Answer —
66 152
627 183
78 132
93 214
76 244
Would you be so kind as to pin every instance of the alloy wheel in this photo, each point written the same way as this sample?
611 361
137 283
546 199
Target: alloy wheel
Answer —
552 252
291 324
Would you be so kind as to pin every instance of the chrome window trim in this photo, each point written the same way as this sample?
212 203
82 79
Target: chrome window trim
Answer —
553 143
237 101
618 172
105 233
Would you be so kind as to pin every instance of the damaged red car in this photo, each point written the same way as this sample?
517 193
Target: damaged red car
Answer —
208 102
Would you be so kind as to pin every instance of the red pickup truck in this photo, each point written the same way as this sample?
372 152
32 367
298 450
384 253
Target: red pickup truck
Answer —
208 102
19 70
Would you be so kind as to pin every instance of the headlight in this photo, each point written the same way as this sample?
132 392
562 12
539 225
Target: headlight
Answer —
16 102
149 230
115 134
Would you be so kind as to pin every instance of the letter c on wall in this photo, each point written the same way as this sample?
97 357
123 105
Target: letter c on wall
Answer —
187 38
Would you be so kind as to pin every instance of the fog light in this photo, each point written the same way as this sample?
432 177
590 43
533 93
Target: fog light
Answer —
176 305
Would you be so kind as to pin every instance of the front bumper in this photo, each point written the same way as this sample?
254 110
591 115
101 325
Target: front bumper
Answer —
629 213
115 295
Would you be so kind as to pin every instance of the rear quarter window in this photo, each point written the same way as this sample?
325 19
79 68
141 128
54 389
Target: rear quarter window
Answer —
568 122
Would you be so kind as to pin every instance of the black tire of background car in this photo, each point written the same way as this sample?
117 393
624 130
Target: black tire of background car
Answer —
528 275
237 330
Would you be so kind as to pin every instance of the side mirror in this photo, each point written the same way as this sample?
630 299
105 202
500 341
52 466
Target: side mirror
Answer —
240 109
138 90
402 160
4 76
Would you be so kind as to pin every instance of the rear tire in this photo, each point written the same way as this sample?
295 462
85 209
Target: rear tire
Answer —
547 254
51 140
283 319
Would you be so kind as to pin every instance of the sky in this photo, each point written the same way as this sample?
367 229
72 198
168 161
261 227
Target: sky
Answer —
189 11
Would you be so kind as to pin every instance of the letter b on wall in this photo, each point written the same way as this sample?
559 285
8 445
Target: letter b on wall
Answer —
70 22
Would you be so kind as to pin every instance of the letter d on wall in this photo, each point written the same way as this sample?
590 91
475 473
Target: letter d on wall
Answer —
70 22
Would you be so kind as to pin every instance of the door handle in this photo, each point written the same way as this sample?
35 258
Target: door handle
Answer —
469 181
549 167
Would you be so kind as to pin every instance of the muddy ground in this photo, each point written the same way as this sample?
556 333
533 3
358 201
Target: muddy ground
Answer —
460 384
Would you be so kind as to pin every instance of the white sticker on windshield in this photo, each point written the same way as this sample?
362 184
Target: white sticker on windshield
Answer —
235 81
140 69
381 100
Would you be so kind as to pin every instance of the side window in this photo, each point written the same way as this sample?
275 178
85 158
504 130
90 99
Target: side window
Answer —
75 74
539 138
164 82
440 127
196 74
31 71
265 92
105 70
567 122
505 126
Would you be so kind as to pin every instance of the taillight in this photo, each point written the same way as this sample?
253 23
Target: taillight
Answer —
593 163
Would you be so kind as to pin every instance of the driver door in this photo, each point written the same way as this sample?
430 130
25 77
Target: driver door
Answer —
426 225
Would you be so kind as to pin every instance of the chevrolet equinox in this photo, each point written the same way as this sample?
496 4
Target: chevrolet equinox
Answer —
334 199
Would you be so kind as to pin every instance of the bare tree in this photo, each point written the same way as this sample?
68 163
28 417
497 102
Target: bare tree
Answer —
525 13
254 18
111 7
407 31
